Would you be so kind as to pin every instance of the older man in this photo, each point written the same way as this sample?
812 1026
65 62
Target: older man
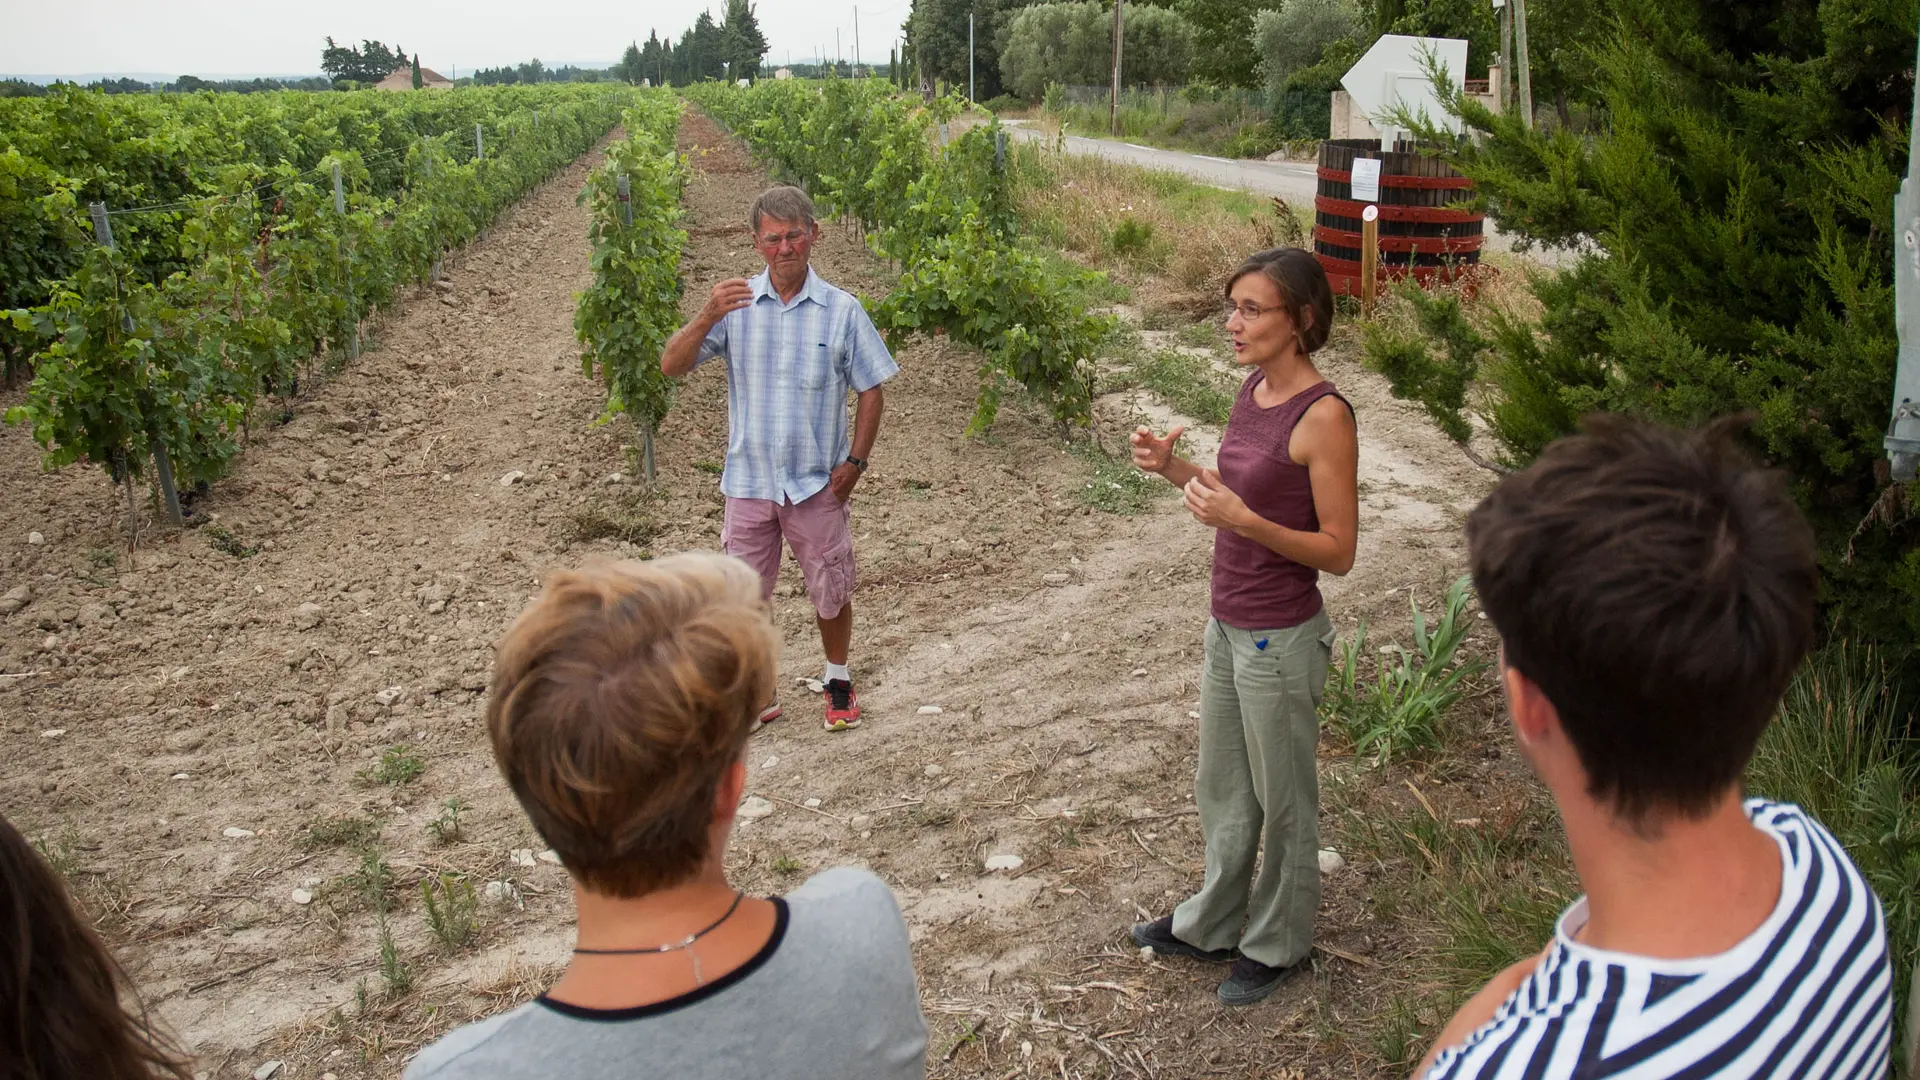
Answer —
794 345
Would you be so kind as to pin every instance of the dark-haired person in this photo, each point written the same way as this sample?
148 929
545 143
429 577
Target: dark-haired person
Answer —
621 704
794 346
60 989
1284 503
1654 592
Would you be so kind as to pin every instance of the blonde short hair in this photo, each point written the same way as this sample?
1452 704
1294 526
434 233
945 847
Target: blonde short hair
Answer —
620 698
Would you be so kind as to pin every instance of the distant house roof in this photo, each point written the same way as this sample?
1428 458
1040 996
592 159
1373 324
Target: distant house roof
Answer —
402 79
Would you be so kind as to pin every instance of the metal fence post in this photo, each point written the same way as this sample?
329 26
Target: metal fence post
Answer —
346 267
162 462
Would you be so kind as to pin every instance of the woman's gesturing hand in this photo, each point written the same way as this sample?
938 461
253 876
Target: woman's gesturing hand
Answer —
1212 503
1151 454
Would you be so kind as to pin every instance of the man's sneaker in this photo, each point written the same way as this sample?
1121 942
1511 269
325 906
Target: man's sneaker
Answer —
843 706
1158 936
771 713
1252 980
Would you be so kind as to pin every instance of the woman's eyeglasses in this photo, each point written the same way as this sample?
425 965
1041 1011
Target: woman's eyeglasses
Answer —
1247 312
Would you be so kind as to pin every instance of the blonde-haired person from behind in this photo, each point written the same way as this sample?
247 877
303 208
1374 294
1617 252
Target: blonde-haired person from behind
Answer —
621 704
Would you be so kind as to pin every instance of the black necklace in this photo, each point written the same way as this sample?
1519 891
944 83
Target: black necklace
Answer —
674 947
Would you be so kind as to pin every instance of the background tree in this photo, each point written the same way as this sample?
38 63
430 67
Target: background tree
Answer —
1731 220
1225 28
417 82
937 40
654 59
632 66
1071 44
533 71
371 62
743 44
1293 38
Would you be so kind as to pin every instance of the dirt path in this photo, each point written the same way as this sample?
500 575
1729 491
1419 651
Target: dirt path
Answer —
194 694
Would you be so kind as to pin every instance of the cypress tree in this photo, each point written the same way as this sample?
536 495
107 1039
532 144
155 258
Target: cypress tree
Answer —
416 72
1730 218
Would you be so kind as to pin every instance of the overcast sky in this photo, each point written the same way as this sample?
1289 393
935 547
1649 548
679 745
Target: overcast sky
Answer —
229 37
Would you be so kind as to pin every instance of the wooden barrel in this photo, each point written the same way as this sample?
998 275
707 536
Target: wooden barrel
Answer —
1418 232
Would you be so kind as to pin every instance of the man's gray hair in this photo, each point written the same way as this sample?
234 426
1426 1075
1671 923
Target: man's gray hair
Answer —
785 203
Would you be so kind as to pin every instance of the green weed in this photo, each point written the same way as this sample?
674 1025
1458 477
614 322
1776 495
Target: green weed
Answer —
337 832
1401 712
1189 384
398 765
1116 487
1395 1036
373 882
446 828
224 541
785 865
929 817
713 468
452 910
393 967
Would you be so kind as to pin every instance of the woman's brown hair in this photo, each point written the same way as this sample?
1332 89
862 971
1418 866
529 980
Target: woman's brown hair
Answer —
1304 290
620 698
60 989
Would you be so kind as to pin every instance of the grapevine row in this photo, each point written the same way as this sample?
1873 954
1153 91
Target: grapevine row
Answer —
946 214
159 345
623 321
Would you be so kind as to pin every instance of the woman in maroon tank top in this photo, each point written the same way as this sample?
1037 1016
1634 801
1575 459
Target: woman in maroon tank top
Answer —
1284 504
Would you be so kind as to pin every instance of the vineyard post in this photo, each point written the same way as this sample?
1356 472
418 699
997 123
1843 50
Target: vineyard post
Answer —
346 267
623 193
162 463
433 275
479 144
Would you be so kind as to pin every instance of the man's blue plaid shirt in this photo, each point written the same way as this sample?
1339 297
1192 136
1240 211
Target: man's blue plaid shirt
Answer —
789 367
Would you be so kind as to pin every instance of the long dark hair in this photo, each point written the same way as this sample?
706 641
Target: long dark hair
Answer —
60 989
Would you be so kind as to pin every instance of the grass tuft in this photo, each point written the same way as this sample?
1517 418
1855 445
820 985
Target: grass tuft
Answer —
398 765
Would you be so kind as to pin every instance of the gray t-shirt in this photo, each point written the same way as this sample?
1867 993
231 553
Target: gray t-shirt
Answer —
832 994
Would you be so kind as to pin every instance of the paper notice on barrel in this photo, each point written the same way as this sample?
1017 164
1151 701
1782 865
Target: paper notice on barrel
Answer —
1366 179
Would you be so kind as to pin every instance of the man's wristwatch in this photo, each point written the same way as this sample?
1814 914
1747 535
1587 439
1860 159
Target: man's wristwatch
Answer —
858 463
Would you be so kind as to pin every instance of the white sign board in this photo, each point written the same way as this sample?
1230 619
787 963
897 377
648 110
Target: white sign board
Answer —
1366 179
1393 75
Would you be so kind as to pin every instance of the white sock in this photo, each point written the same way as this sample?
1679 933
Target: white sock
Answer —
838 671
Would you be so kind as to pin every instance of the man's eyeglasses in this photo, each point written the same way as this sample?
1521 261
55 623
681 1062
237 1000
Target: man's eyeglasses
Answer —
791 236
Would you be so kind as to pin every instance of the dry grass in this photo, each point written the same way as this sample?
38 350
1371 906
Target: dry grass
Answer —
1156 224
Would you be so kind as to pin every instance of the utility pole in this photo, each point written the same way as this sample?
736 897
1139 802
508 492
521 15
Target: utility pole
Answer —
1526 74
969 54
1113 103
1500 95
1903 428
856 42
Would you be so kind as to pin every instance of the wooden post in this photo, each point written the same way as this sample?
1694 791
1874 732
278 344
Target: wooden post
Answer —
1369 258
1113 102
479 144
1526 73
623 189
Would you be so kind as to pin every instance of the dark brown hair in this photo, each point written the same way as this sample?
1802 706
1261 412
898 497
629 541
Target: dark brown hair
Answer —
60 989
620 698
1659 587
1304 290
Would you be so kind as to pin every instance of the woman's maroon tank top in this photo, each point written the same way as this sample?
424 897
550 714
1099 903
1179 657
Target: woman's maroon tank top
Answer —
1255 587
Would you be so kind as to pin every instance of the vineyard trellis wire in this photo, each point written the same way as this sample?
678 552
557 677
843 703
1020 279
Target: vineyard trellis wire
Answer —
159 348
946 215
